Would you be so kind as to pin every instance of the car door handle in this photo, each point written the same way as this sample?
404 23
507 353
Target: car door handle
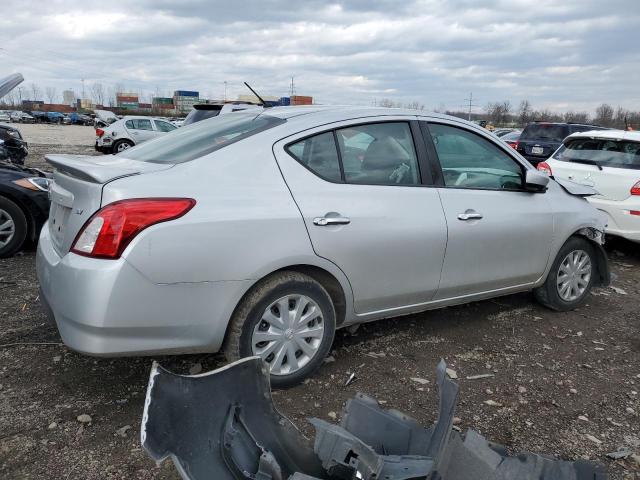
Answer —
469 216
324 221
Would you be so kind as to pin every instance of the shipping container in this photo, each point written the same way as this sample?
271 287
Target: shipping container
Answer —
162 100
301 100
285 101
186 93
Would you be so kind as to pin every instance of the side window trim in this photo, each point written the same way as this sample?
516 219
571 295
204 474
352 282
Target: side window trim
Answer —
438 165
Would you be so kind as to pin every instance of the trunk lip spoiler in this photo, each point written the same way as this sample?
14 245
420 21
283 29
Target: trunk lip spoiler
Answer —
84 167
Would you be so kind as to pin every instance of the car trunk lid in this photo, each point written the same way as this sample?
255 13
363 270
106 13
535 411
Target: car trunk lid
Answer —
76 191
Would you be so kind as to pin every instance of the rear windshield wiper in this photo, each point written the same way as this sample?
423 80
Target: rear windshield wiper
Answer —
587 162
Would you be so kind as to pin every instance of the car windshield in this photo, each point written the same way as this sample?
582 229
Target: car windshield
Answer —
198 114
545 131
187 143
603 152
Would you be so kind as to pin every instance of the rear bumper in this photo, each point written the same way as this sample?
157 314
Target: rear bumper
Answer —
108 308
620 222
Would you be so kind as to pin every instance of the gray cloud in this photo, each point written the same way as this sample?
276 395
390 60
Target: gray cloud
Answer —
575 54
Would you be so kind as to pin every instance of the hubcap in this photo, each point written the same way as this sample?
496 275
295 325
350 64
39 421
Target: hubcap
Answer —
574 275
7 228
123 146
289 334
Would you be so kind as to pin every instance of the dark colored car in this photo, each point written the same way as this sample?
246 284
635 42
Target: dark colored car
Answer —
512 138
24 206
12 146
539 140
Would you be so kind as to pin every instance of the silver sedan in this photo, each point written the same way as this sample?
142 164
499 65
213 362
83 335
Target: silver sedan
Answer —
260 233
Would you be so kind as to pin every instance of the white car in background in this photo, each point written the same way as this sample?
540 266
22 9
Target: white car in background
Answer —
4 116
129 131
608 161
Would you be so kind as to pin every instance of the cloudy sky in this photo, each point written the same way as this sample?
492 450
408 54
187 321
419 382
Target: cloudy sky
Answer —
569 54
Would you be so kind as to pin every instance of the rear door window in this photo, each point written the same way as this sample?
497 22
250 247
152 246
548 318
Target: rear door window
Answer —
139 124
164 126
379 154
604 152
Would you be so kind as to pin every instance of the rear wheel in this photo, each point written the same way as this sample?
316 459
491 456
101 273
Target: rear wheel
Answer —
571 276
122 145
289 321
13 227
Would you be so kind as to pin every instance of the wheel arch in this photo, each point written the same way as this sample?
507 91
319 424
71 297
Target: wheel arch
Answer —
596 239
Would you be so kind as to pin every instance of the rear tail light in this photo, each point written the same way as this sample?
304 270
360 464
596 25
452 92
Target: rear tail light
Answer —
99 132
635 190
544 168
513 145
108 232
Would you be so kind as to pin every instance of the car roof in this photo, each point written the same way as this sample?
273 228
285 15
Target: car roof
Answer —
608 135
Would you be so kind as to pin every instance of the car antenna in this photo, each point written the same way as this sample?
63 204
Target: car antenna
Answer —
264 104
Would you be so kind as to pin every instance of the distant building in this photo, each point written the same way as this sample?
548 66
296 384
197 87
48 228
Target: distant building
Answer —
68 97
184 100
127 100
85 104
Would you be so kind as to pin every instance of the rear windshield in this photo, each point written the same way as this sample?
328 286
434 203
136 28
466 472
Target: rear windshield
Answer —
202 138
542 131
197 115
609 153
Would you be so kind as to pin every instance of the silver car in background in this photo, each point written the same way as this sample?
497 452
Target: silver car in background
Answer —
260 233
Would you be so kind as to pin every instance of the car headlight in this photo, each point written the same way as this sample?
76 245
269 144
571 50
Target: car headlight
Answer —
14 133
40 184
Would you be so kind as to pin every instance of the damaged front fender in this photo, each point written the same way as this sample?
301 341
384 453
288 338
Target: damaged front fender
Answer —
223 425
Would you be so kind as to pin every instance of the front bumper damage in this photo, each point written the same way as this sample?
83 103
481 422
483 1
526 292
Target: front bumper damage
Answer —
223 425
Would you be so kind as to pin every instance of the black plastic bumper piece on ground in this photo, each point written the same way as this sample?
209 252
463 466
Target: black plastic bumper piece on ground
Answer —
223 425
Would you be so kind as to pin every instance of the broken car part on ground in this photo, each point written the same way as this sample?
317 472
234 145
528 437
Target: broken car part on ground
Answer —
223 425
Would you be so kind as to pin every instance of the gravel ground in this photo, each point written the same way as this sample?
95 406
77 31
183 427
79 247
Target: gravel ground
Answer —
566 383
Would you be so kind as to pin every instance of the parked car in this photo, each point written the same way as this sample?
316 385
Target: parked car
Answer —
176 121
55 117
39 117
24 206
262 234
608 161
129 131
203 111
4 116
500 132
13 148
80 119
512 138
21 117
540 139
104 118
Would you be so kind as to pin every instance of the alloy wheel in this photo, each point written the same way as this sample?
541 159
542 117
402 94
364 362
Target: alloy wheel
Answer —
574 275
122 146
289 334
7 228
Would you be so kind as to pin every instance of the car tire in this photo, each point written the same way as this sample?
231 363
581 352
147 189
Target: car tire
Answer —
566 270
121 145
248 325
10 212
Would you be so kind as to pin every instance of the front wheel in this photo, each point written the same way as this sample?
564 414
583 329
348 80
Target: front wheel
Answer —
571 276
289 321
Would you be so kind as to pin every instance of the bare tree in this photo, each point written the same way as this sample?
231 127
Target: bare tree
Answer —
51 93
576 117
97 93
498 112
604 115
385 102
36 92
524 112
415 105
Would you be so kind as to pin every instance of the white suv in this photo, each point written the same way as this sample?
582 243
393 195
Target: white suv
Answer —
608 161
130 131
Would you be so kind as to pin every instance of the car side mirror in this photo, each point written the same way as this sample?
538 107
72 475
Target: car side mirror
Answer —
535 181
